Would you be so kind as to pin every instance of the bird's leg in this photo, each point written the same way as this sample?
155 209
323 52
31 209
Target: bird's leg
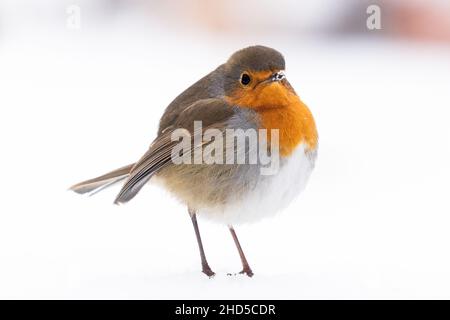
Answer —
246 268
205 267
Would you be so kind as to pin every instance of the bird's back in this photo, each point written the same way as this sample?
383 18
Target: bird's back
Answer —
210 86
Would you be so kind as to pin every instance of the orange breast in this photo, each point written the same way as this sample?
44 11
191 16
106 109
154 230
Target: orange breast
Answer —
280 108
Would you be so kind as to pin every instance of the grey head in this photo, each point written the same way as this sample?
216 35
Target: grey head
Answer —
225 79
254 59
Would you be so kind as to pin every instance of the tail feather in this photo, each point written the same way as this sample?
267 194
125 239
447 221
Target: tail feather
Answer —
102 182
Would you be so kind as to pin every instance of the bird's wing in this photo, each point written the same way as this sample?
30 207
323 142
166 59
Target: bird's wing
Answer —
214 113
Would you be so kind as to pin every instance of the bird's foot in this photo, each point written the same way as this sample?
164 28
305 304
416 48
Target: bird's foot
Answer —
208 272
247 271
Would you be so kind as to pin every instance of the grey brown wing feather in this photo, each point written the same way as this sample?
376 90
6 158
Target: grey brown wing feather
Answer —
158 156
212 112
99 183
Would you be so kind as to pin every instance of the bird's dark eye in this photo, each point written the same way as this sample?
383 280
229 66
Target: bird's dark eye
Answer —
245 79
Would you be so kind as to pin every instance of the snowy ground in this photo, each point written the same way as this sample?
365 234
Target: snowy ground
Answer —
373 222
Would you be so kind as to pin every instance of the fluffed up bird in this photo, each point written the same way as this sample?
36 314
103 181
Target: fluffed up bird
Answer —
236 146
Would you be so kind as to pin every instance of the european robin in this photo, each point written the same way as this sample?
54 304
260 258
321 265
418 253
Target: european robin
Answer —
249 93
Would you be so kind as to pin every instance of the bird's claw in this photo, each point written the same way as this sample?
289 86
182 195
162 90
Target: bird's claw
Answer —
209 272
248 272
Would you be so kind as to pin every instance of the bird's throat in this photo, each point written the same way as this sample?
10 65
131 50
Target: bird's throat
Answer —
295 123
280 108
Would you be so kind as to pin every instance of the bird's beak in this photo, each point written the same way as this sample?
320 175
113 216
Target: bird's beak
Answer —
274 77
277 76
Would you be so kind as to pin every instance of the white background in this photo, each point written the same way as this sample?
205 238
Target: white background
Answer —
373 222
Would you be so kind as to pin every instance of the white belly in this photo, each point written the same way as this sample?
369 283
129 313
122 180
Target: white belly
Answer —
271 194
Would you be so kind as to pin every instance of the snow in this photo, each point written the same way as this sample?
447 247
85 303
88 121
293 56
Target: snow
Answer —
372 223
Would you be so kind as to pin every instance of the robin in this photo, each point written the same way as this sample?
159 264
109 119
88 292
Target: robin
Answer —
248 92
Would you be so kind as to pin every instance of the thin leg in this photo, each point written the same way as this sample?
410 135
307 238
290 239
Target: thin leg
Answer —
246 268
205 267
